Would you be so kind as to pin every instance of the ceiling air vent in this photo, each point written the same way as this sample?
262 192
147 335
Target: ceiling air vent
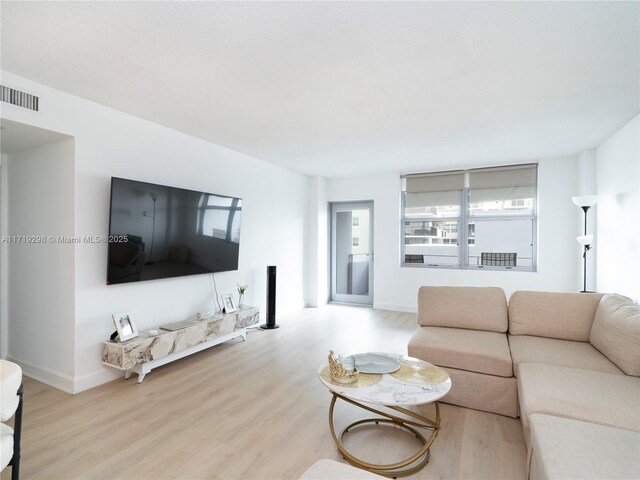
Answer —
16 97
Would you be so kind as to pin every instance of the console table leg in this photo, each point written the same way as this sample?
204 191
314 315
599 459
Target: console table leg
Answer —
127 374
143 370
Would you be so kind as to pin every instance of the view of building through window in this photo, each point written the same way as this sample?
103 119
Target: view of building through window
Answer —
360 232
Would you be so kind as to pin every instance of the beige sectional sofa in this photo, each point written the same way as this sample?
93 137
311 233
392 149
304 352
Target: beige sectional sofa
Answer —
567 363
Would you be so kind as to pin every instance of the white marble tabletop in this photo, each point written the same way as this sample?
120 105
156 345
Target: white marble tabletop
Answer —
417 382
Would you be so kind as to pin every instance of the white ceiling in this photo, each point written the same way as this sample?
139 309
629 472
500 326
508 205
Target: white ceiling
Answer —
353 88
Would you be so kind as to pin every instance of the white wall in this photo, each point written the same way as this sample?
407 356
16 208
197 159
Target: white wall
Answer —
4 311
617 241
41 285
396 288
317 243
111 143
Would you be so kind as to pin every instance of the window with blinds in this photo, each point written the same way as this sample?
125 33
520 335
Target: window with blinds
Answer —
474 219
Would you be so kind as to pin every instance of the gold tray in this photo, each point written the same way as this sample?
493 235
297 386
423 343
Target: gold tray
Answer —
419 375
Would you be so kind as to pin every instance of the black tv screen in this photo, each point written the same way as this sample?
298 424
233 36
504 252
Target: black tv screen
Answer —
157 231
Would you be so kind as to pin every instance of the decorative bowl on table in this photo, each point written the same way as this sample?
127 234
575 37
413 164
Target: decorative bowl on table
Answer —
376 363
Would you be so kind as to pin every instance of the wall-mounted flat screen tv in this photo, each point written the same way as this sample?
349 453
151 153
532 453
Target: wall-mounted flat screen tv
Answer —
157 231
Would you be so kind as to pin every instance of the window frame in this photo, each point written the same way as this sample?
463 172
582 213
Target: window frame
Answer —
463 232
231 209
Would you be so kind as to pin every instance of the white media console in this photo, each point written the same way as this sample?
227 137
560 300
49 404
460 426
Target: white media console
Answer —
146 351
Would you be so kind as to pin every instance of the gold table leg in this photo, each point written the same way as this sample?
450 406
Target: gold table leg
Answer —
404 467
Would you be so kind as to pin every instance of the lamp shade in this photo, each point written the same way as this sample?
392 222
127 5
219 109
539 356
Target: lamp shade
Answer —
585 240
585 200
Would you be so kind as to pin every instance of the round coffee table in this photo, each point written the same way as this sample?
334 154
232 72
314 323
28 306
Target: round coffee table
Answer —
416 383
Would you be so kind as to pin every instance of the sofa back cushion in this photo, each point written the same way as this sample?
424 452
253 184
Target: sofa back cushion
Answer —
616 332
567 316
475 308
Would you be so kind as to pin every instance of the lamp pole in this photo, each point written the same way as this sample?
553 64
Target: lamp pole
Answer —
584 261
154 197
585 208
585 202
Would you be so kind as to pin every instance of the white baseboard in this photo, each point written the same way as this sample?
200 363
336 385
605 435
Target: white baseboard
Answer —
94 379
395 308
66 383
50 377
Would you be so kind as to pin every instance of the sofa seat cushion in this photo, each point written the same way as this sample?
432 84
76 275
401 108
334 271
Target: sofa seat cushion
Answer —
471 350
475 308
616 332
331 470
561 448
566 316
597 397
526 349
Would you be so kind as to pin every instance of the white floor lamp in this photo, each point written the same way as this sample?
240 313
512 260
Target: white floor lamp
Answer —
585 202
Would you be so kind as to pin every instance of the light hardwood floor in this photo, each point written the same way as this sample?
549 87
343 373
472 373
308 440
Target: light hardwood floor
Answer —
249 410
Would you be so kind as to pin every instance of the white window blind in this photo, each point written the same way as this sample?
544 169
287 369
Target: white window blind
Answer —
419 199
502 183
434 182
497 177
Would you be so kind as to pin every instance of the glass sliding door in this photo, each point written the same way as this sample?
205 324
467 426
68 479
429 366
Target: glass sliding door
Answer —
352 252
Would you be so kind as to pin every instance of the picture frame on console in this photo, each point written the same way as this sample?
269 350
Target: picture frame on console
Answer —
125 326
227 302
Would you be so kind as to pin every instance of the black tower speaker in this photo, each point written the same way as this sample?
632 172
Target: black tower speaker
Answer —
271 299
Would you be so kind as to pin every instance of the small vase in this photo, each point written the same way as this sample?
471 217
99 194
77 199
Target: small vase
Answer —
241 300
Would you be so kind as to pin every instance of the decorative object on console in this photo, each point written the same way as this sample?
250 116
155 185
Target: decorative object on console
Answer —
241 290
125 327
339 373
227 302
585 202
